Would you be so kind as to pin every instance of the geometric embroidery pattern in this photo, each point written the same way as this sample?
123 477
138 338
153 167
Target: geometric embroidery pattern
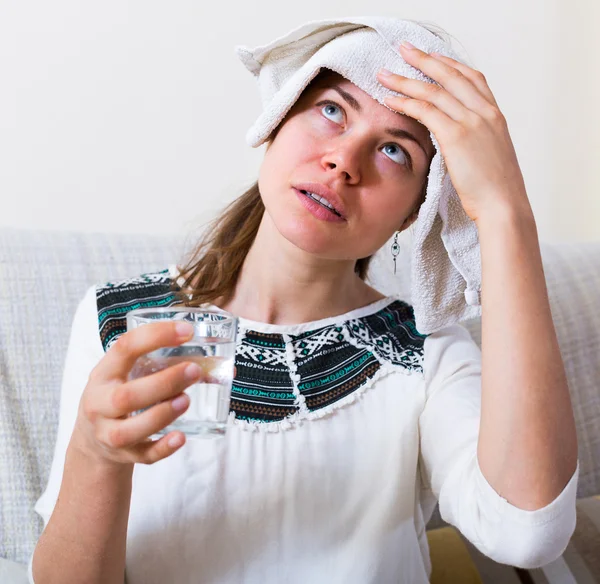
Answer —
331 362
262 389
334 372
392 334
116 299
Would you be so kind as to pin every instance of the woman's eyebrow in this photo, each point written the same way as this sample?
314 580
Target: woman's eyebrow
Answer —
349 98
396 132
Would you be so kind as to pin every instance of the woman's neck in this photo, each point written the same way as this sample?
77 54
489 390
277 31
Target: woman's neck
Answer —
281 284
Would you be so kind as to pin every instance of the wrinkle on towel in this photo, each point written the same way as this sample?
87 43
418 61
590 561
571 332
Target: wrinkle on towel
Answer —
445 256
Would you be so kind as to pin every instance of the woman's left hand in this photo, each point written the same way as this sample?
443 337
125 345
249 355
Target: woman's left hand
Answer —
469 127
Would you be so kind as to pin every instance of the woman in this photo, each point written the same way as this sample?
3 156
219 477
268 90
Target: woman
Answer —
356 423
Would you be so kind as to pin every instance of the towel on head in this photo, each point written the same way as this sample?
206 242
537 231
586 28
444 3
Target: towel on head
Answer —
445 255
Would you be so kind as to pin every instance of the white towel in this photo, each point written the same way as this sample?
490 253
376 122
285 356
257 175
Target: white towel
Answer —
445 257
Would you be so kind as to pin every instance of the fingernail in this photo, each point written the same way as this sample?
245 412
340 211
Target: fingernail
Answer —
184 329
192 371
407 45
180 402
384 72
175 441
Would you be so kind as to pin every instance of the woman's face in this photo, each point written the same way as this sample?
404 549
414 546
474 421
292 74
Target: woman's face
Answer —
339 140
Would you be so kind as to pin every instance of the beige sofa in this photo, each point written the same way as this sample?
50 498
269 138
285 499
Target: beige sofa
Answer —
43 275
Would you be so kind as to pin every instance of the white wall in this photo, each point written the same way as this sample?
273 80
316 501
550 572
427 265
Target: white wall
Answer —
131 116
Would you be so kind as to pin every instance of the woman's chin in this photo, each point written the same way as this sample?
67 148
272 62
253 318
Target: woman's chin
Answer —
311 239
320 238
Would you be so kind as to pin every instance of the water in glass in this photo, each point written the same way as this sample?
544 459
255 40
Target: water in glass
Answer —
209 398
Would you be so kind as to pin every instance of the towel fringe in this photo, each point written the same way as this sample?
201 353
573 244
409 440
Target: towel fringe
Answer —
473 297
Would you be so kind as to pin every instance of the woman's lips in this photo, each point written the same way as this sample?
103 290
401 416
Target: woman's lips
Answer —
318 210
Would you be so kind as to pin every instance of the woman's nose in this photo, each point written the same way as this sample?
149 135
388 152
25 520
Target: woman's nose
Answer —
343 159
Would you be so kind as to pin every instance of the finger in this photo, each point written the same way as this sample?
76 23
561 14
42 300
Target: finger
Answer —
427 114
155 450
450 78
120 399
476 77
429 92
124 433
121 357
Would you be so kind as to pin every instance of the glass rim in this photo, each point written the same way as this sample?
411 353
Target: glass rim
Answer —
227 316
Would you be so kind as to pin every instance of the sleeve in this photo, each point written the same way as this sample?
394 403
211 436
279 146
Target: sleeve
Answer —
449 429
84 351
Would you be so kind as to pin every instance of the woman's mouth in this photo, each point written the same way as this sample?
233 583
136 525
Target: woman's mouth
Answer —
320 207
321 201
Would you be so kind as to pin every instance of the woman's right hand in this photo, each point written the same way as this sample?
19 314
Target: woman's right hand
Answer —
104 428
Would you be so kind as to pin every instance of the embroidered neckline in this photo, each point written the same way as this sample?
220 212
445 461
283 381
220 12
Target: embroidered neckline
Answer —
287 374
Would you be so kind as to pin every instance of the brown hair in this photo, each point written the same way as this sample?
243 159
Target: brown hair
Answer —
212 269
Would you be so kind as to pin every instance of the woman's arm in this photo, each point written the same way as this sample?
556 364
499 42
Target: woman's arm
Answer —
85 539
527 446
85 504
507 478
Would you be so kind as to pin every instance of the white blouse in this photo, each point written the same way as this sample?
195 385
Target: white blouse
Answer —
330 472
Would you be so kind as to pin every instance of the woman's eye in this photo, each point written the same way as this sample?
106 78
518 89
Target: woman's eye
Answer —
396 154
330 109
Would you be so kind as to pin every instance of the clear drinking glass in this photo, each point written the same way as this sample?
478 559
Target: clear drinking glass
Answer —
212 347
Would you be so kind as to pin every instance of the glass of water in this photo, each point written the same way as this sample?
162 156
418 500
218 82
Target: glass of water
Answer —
212 348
